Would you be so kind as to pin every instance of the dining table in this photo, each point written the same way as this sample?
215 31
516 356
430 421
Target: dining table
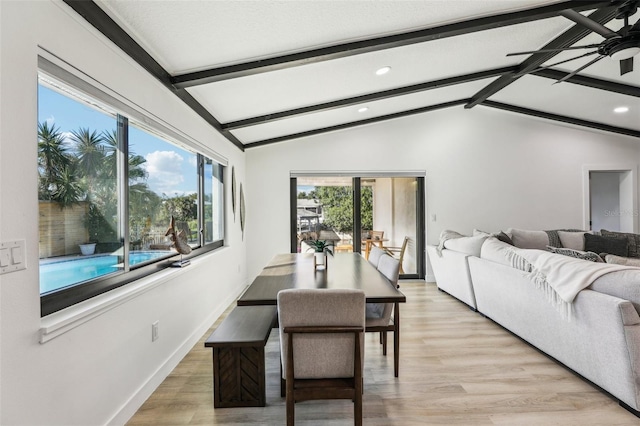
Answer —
343 271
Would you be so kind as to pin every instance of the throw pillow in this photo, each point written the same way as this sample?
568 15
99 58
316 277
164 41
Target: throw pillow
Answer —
632 239
499 235
578 254
496 251
504 238
618 260
601 244
529 239
572 240
467 245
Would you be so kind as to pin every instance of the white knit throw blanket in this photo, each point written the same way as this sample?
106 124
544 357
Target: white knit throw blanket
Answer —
562 277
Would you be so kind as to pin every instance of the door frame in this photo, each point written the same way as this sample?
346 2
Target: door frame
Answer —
421 236
631 191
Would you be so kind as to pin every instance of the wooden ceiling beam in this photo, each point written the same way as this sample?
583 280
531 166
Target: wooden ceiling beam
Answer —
595 83
357 123
562 118
97 17
357 100
379 43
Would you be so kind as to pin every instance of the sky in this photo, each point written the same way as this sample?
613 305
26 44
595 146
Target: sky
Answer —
171 169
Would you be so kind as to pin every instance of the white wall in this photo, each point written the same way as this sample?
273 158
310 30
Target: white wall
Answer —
485 169
102 370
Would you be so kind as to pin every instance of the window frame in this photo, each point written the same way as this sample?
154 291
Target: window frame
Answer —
78 88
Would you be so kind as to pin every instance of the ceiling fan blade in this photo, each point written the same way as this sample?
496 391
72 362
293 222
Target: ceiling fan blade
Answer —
543 67
570 59
594 26
588 46
626 65
636 26
568 76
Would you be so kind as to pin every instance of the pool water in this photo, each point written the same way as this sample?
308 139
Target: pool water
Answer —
55 275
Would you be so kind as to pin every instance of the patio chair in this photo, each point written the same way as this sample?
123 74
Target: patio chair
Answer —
398 252
378 315
322 346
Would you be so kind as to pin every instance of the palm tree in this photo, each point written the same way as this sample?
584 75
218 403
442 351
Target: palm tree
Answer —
53 159
68 189
90 151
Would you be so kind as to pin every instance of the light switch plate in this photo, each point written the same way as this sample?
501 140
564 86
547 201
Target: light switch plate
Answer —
12 256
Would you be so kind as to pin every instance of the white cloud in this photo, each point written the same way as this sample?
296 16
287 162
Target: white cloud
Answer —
165 171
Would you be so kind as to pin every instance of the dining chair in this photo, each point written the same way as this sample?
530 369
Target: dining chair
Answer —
378 315
398 252
322 346
374 255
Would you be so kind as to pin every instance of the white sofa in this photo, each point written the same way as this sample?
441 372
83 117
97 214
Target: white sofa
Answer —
601 341
451 270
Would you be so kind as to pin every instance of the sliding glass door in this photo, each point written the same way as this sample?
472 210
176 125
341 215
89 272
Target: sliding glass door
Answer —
355 213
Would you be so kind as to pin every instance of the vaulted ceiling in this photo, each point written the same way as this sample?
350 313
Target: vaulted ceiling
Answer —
266 71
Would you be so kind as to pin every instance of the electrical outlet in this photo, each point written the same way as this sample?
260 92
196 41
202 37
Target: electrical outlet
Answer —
154 331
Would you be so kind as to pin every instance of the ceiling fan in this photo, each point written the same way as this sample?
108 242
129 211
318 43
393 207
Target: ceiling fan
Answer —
621 46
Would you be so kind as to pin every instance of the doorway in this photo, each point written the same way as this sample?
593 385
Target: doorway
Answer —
610 199
356 212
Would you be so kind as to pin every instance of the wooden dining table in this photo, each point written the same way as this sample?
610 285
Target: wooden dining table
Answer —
343 270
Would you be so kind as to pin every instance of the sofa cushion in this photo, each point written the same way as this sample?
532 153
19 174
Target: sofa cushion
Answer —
467 245
578 254
609 245
529 239
622 284
572 240
619 260
632 239
496 251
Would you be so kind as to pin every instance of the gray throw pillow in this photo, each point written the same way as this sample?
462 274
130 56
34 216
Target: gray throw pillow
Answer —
609 245
504 238
633 241
578 254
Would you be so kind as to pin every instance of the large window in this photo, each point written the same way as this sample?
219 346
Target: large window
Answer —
109 186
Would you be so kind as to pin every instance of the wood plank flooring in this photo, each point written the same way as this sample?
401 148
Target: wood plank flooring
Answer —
456 367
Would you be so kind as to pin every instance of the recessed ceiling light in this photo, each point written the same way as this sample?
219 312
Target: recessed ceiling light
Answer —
621 109
383 70
363 109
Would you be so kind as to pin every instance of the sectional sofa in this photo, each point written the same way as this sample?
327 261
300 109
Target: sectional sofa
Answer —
600 339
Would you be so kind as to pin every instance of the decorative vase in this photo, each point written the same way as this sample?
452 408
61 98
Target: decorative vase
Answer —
319 260
87 249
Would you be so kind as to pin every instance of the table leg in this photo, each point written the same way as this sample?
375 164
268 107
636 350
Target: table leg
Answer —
396 338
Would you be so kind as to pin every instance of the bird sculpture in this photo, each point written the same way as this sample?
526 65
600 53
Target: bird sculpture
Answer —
179 240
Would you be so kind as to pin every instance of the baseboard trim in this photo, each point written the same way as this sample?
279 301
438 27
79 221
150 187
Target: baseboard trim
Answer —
133 404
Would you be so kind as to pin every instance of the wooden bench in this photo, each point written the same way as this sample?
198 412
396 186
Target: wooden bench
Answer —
238 356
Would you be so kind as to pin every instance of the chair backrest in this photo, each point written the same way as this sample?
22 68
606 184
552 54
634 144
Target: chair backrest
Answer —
321 355
374 255
390 268
376 235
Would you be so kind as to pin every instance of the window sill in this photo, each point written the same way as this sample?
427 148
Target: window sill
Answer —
74 316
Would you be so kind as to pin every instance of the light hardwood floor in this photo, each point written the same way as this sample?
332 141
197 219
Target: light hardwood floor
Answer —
456 367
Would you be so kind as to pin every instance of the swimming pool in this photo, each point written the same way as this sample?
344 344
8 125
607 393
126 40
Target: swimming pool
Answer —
55 275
